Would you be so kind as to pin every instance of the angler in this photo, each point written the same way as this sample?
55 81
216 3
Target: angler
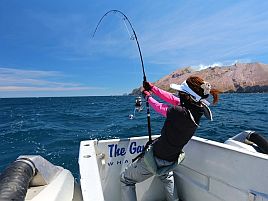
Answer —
161 157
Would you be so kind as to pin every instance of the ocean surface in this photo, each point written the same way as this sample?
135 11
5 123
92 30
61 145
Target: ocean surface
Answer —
54 127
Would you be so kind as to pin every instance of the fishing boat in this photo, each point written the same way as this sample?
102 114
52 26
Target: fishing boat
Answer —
211 171
236 170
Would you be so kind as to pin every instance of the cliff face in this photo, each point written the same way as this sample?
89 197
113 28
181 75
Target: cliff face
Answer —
246 78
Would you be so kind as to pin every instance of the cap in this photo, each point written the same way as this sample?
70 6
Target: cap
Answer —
185 88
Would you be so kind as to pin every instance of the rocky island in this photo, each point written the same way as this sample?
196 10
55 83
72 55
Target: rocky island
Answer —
237 78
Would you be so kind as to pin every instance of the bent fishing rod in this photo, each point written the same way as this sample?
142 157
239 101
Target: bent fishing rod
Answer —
134 36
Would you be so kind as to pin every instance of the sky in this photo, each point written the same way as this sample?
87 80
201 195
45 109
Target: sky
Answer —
47 47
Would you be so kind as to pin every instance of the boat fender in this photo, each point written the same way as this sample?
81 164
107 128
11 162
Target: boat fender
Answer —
259 140
15 179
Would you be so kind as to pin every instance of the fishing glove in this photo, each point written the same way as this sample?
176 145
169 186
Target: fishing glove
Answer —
146 94
147 86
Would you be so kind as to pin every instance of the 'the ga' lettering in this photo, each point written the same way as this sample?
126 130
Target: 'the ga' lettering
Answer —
115 151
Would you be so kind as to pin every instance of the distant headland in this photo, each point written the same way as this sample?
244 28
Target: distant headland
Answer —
237 78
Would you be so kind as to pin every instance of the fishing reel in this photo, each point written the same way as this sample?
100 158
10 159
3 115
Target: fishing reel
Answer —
138 107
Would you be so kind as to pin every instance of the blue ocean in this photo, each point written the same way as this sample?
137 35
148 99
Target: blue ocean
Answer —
54 127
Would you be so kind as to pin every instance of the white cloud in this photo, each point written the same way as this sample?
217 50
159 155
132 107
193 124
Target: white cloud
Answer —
26 73
25 88
220 64
202 66
12 79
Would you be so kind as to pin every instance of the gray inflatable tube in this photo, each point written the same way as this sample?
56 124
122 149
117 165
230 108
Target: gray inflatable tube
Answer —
260 141
15 179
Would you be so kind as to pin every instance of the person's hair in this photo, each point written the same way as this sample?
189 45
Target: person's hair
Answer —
195 83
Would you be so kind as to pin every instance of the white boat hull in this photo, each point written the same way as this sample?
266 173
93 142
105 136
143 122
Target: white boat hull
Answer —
211 171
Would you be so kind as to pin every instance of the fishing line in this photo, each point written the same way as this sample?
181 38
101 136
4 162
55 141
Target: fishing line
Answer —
132 37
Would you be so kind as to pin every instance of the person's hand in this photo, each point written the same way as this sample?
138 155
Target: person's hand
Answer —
145 94
147 86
